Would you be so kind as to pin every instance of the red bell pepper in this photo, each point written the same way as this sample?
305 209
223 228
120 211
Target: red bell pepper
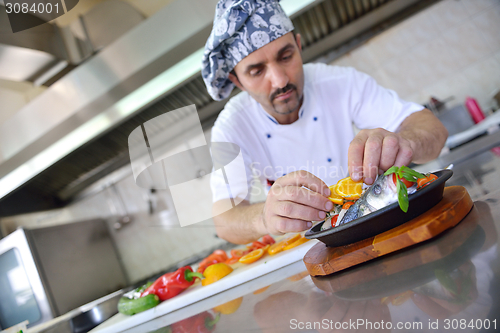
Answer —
201 323
236 254
172 284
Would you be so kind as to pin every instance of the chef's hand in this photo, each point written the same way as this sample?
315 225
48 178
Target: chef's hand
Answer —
376 149
294 201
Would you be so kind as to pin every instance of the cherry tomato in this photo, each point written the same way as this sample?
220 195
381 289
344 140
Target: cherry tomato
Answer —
422 182
406 182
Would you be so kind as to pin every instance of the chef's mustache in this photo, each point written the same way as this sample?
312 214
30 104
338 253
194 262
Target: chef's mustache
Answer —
283 90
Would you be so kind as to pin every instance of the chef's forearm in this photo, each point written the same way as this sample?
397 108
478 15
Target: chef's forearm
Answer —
427 135
241 224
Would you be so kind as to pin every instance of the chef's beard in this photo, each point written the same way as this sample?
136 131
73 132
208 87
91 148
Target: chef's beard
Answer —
288 108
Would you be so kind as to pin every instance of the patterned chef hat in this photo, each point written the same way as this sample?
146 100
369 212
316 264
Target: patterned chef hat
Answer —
240 27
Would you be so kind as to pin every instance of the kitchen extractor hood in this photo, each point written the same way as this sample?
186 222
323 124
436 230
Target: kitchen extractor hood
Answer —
76 131
46 52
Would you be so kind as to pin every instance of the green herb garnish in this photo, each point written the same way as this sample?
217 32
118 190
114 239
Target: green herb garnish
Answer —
409 175
402 196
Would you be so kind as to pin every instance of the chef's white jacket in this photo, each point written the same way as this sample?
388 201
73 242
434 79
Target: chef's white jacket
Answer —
335 98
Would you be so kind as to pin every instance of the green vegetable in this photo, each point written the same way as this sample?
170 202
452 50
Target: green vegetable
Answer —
405 172
131 306
143 287
402 196
409 175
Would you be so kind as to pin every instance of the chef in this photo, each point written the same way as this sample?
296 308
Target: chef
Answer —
294 123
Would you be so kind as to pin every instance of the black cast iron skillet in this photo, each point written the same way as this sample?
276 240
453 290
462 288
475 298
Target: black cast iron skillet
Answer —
383 219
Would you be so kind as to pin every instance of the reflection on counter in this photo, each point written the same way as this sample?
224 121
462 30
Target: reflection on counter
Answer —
412 267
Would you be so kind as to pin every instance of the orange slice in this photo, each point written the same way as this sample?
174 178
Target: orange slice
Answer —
278 247
252 256
334 197
275 248
298 242
348 188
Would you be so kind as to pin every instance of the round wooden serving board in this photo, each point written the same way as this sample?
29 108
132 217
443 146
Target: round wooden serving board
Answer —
456 204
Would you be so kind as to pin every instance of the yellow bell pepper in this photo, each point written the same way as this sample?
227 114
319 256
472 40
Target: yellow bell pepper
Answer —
215 272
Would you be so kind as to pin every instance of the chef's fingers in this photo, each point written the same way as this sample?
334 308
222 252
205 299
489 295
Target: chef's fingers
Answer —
291 209
355 155
303 178
405 153
371 160
296 203
301 196
296 211
283 225
390 149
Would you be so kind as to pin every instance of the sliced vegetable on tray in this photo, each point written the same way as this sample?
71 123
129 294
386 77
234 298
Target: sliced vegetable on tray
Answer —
252 256
280 246
216 257
298 242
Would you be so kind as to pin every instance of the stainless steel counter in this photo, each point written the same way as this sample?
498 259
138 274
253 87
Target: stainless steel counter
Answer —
450 283
83 318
